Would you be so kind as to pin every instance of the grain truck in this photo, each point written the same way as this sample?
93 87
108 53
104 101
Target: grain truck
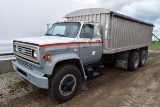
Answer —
72 52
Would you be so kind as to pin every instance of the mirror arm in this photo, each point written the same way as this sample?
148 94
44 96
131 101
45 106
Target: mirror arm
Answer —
88 42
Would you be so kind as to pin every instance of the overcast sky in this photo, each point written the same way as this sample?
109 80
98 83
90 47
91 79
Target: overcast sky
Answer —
148 10
23 18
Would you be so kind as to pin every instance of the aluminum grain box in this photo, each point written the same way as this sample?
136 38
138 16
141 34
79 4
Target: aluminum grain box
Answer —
119 32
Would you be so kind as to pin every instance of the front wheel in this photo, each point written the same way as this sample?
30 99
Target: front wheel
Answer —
65 83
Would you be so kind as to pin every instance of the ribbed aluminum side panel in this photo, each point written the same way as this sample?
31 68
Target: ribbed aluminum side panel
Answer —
126 34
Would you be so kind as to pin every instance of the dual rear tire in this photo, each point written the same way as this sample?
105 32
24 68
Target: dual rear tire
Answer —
137 59
143 57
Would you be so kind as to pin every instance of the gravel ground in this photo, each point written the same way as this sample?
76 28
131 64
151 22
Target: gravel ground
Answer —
116 88
13 86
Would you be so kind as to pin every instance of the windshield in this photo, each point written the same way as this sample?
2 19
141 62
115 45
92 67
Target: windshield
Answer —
64 29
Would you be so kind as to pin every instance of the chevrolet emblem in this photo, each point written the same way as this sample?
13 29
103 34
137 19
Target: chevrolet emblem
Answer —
23 50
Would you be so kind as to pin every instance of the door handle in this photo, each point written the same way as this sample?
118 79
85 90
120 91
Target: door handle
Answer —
86 46
97 40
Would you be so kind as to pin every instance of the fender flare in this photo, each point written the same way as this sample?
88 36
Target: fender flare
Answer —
61 57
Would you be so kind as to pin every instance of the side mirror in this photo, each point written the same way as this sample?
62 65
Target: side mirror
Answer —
97 30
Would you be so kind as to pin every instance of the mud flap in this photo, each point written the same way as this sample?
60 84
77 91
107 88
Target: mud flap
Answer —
84 85
122 60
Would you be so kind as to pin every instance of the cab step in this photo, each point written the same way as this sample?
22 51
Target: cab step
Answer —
94 70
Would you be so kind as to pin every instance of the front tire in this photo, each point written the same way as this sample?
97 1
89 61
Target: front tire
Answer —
65 83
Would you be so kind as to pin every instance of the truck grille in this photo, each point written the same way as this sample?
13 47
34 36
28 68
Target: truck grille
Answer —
25 51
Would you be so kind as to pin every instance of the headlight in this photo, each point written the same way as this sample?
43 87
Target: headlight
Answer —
34 53
16 48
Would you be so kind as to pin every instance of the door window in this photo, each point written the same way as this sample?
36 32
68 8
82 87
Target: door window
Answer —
87 31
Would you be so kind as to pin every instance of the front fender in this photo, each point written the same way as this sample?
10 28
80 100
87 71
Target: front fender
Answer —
57 58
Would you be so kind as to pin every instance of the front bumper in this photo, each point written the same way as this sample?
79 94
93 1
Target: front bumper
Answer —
35 77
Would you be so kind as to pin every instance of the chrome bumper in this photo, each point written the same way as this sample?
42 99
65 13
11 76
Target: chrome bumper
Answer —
35 77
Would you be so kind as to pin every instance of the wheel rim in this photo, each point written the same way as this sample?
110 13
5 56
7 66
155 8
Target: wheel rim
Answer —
136 62
143 58
67 84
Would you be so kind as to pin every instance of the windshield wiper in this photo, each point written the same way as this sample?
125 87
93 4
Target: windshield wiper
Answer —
49 34
60 35
55 35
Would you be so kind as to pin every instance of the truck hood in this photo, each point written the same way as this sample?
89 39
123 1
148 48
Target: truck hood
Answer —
46 40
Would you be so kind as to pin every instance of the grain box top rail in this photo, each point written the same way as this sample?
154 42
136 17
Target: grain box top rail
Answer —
90 11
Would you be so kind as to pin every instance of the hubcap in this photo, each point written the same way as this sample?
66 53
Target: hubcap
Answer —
67 84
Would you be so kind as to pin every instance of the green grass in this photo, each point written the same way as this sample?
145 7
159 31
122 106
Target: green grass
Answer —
155 45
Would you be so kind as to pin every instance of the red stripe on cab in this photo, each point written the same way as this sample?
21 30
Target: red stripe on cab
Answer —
67 44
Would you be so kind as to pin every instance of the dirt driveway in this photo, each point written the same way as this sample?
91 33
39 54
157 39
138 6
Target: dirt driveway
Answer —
116 88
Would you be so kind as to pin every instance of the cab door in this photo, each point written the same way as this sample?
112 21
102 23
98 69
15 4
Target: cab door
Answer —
90 47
